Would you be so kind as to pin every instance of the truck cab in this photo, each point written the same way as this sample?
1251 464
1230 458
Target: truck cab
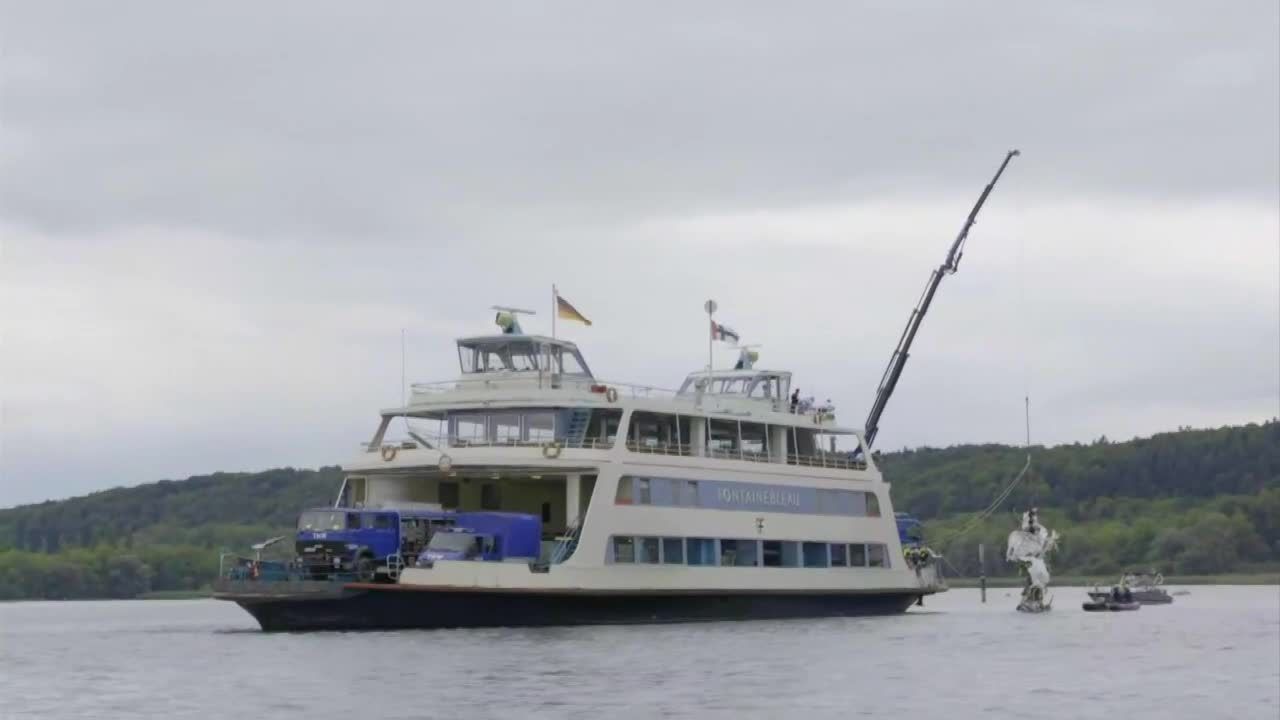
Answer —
486 536
910 530
366 543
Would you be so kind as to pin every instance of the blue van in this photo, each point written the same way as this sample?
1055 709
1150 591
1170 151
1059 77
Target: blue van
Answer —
492 536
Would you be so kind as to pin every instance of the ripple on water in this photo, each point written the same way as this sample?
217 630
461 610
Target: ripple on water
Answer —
1216 655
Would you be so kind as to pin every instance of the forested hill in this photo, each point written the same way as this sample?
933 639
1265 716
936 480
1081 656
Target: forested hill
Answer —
1191 501
1238 460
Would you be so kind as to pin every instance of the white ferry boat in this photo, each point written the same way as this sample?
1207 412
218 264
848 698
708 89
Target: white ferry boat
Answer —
527 491
719 500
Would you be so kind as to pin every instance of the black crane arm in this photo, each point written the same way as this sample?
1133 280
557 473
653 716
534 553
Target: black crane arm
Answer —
899 358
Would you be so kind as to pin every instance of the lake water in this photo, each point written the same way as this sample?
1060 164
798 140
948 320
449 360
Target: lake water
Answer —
1212 654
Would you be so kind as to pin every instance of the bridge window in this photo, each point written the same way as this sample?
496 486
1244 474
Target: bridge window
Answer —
873 505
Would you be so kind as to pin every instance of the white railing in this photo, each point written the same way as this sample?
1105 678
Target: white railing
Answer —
441 442
823 460
541 381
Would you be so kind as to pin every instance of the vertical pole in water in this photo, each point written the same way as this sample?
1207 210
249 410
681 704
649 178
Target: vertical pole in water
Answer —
982 570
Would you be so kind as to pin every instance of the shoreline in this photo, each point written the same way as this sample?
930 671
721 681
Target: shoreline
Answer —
1267 578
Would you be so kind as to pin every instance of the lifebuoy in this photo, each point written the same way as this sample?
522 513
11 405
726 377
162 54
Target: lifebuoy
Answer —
389 452
551 450
611 395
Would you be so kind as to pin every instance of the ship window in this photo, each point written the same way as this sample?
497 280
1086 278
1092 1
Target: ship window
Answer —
467 358
702 551
755 438
877 556
603 425
490 497
546 512
873 505
857 555
624 550
470 428
839 555
643 496
353 521
540 426
772 553
571 365
506 427
648 550
447 495
724 436
663 491
687 491
673 551
624 491
739 553
815 554
790 554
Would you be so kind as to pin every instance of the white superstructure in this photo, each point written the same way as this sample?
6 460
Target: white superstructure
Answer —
722 485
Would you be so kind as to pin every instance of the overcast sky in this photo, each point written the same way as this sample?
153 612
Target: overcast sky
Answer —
217 217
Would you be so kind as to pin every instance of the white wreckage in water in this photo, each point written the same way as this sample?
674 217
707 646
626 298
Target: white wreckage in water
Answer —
1028 546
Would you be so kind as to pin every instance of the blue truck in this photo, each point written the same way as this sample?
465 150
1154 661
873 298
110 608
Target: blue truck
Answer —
492 536
366 544
910 530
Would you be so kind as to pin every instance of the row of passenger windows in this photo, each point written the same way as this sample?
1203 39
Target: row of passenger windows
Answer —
735 552
729 495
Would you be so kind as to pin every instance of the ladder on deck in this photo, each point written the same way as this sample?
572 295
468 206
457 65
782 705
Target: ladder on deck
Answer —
579 422
566 544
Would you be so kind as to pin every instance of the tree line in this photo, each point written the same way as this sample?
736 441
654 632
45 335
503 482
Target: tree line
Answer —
1191 501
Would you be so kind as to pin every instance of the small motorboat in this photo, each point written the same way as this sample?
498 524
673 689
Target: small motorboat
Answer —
1118 599
1145 587
1111 606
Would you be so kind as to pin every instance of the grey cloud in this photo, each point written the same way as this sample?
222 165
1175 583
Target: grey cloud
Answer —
217 218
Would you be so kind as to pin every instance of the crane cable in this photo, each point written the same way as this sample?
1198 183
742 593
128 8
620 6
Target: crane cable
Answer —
1026 399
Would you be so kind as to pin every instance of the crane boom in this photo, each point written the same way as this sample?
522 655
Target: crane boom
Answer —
899 358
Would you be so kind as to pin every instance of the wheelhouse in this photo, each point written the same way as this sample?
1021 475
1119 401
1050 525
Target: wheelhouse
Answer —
515 354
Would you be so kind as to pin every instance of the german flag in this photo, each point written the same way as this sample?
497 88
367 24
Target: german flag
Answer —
568 312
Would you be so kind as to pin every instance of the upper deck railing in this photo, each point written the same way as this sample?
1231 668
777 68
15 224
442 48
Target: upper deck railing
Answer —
540 381
551 449
820 459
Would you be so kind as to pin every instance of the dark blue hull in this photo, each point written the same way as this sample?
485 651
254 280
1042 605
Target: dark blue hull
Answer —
397 607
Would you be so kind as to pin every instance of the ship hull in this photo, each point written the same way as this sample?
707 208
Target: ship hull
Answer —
396 607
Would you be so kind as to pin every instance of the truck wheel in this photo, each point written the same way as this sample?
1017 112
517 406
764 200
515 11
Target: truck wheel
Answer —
364 568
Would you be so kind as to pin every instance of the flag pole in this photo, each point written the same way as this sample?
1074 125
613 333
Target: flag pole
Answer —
711 323
554 296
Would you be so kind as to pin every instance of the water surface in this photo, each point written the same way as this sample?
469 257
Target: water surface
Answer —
1212 654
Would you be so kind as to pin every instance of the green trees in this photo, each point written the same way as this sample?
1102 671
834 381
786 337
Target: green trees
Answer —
1191 501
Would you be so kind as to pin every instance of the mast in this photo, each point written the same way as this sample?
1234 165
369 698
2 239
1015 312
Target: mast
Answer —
900 354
